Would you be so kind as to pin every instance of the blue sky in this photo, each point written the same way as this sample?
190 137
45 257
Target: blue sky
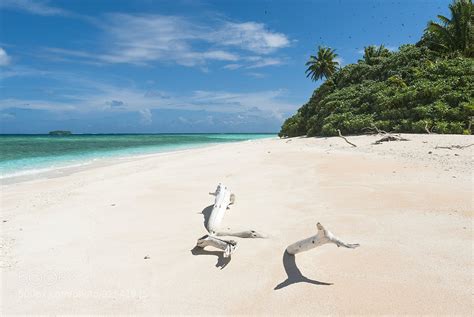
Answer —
141 66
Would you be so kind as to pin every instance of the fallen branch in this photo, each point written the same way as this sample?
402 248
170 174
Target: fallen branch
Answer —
459 147
390 137
224 198
340 135
324 236
228 246
387 136
241 234
426 128
377 130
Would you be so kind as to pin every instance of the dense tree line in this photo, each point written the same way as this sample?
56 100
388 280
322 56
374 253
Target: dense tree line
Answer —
429 85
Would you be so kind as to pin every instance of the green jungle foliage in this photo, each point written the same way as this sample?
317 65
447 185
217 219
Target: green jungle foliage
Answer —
419 87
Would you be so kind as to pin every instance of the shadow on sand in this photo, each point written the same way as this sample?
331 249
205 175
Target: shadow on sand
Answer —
294 274
206 212
221 261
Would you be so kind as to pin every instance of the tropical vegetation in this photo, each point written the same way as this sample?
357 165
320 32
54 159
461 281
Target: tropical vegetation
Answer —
424 87
325 64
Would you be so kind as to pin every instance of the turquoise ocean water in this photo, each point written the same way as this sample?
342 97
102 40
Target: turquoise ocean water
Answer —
30 154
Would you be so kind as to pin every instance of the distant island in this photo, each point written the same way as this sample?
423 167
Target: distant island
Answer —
60 132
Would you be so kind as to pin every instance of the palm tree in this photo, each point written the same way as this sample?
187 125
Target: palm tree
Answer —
323 65
372 52
453 35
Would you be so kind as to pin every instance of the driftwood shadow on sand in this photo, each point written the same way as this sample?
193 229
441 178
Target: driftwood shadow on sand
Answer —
221 260
294 274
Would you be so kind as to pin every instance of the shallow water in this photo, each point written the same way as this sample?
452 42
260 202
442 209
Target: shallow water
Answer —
30 154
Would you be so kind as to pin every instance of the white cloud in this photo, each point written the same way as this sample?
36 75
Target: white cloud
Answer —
83 95
340 60
142 39
232 66
146 116
36 105
256 75
271 103
264 62
4 58
33 7
251 36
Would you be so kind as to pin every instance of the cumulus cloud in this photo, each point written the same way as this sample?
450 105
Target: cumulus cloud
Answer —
4 58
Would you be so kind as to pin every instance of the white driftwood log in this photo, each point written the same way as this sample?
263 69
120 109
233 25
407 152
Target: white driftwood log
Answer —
224 198
324 236
228 246
241 234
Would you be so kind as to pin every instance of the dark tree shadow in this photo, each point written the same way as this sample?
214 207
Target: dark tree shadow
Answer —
294 274
221 260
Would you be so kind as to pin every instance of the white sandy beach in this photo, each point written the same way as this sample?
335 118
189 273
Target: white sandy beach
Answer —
77 243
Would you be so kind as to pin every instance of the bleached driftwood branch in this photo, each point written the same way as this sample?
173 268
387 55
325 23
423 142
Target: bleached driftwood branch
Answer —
224 198
241 234
324 236
389 138
427 129
459 147
386 136
228 246
345 139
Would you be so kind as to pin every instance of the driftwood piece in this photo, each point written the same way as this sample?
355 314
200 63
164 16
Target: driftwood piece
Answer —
224 198
374 130
390 137
213 219
427 129
386 136
345 139
241 234
458 147
322 237
228 246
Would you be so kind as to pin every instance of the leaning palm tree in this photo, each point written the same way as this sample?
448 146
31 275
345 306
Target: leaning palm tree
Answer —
456 34
322 65
372 53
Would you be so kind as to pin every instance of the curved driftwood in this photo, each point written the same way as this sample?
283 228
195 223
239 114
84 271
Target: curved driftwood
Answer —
345 139
228 246
241 234
224 198
324 236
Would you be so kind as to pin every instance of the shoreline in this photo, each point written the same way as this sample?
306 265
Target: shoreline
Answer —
74 167
119 238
